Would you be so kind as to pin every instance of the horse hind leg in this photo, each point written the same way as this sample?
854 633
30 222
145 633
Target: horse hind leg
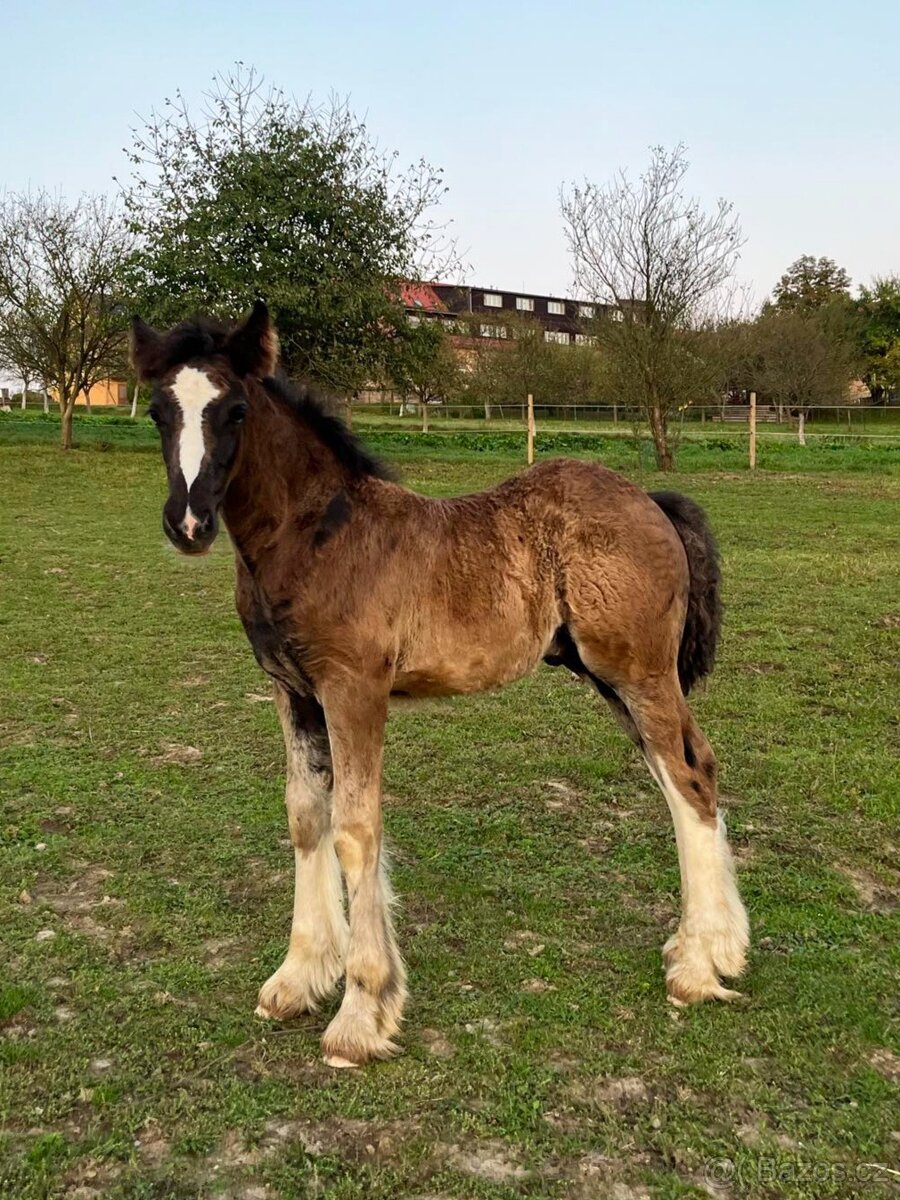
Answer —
713 934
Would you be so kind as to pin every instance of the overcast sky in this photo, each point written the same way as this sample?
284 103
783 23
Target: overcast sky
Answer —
789 108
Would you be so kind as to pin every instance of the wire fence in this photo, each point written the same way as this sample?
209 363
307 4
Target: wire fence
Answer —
834 421
863 425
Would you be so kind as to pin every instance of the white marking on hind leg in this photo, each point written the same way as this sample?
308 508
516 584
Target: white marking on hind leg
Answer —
713 935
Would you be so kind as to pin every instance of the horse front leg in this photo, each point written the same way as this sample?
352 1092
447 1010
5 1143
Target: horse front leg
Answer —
318 941
375 992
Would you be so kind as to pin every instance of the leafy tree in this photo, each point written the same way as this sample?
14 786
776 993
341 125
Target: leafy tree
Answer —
61 272
261 196
798 365
578 375
504 368
422 363
809 284
879 308
663 262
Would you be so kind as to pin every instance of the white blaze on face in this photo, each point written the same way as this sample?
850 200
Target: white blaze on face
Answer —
193 391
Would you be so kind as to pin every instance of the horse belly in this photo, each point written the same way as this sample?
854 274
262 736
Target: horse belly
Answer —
467 660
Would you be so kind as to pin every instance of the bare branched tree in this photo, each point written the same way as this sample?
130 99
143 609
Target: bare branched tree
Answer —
664 264
17 352
61 267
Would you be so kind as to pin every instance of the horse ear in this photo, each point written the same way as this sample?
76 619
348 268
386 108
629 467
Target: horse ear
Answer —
253 347
147 349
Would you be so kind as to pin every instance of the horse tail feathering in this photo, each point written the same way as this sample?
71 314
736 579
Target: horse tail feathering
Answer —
703 621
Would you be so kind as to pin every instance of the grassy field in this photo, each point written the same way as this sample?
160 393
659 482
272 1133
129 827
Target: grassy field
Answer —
145 877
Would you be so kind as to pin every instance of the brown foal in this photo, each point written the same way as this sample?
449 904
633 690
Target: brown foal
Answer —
353 589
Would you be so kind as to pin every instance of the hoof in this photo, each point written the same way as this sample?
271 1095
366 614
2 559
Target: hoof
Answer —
339 1063
692 971
355 1038
297 987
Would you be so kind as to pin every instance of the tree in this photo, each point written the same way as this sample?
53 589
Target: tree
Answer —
798 365
809 284
18 355
61 270
879 308
261 196
422 363
655 255
510 358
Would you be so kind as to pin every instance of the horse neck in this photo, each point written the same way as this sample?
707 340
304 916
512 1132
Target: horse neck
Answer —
283 474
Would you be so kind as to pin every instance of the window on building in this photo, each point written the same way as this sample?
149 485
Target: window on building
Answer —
556 308
493 300
556 335
492 331
524 304
617 314
586 311
584 339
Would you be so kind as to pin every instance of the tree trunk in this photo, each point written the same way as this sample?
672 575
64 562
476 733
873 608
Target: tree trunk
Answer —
87 399
659 428
25 383
424 406
134 400
46 401
801 428
487 410
66 432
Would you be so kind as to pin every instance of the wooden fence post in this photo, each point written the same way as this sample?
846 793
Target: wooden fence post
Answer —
753 431
530 429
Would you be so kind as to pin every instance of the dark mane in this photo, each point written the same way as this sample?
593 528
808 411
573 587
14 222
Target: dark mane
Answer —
307 403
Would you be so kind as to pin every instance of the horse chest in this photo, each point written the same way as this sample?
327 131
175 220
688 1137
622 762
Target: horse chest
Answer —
274 651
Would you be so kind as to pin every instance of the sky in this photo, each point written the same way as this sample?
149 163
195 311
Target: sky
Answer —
788 108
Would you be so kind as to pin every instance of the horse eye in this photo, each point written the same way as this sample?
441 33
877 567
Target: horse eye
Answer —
237 413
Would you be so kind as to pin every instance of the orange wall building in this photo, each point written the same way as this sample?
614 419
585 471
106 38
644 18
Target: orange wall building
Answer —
108 393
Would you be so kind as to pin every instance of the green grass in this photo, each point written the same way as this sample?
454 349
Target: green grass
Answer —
141 778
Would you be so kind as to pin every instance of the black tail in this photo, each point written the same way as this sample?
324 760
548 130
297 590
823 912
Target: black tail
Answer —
697 651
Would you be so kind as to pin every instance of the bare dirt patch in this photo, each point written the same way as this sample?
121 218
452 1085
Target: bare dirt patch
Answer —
488 1028
596 1175
876 896
347 1138
494 1161
437 1044
626 1092
219 953
90 1179
82 895
886 1063
182 756
561 796
537 986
